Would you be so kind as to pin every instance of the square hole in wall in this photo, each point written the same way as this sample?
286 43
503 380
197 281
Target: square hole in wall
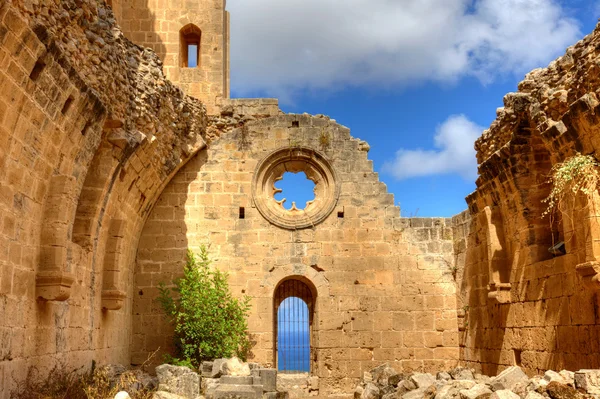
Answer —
517 357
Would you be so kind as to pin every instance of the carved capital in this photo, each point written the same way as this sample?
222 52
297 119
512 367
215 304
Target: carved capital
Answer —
53 285
499 292
590 274
112 299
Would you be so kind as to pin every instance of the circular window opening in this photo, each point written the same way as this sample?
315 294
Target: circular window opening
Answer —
307 165
294 190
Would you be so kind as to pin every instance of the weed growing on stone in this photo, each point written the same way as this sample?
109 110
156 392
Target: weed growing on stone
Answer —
209 322
575 175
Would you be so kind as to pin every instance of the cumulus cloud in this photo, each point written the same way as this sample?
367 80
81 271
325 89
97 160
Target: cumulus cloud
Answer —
454 153
280 46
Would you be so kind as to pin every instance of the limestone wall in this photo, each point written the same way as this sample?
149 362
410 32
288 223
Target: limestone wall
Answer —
156 24
90 133
385 285
523 304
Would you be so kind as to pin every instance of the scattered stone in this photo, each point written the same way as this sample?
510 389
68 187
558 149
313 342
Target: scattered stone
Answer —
504 394
405 386
237 380
416 394
206 369
556 390
430 392
370 392
569 376
554 376
234 367
588 380
461 373
534 395
122 395
422 380
443 376
166 395
508 378
479 391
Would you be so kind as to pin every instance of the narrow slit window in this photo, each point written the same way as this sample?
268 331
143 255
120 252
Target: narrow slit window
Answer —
190 36
67 105
37 70
242 213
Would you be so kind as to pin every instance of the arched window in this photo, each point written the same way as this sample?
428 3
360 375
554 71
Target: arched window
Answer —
189 37
293 306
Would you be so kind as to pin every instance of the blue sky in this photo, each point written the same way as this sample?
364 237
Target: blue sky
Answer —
417 79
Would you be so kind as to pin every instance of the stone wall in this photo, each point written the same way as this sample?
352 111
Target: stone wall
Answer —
523 304
156 24
90 133
384 285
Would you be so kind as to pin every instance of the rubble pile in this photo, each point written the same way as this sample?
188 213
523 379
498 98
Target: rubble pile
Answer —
383 382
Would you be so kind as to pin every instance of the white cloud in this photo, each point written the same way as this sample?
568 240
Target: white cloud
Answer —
454 140
280 46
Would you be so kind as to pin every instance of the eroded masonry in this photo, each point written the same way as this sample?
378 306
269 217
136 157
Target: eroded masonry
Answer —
120 149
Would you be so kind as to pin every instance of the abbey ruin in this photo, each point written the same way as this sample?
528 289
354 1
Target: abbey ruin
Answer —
116 157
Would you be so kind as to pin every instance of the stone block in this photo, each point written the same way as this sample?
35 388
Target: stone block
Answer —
479 391
206 369
504 394
269 379
178 380
422 380
236 380
588 380
508 378
416 394
237 391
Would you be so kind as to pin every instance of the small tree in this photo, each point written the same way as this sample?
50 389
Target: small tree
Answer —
209 322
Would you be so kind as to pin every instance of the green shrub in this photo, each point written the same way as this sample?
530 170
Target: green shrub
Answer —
209 322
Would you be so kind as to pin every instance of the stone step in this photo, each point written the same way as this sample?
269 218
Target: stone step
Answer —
238 392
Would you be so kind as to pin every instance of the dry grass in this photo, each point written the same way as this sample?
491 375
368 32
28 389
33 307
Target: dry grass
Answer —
73 384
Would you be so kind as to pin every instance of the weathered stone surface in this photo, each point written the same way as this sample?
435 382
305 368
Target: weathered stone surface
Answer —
268 378
550 376
461 373
416 394
557 390
237 392
588 380
167 395
371 391
206 369
235 367
479 391
504 394
508 378
422 380
237 380
534 395
178 380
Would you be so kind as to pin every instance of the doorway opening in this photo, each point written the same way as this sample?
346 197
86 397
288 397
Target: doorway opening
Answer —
293 307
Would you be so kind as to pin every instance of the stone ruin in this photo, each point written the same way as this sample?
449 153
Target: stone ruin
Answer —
117 156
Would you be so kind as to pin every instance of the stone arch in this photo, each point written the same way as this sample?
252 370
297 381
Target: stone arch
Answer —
293 318
190 37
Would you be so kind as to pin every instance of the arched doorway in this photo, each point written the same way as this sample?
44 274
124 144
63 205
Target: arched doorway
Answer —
293 310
